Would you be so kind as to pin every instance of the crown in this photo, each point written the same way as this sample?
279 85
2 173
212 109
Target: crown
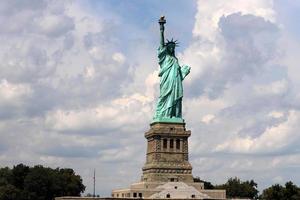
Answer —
174 42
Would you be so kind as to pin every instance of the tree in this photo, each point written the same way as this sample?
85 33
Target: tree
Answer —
10 192
72 183
235 188
291 192
45 183
5 176
38 183
19 172
250 188
278 192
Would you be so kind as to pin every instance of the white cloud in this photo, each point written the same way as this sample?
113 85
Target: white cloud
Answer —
97 53
244 46
11 93
82 119
89 72
209 13
274 88
276 114
13 98
55 25
274 139
118 154
118 57
122 112
208 118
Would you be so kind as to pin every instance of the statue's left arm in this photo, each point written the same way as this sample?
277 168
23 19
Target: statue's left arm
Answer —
185 70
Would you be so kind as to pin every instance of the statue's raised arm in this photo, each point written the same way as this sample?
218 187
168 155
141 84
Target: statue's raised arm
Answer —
162 22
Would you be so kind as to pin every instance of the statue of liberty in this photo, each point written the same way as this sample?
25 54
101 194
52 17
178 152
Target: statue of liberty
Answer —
169 105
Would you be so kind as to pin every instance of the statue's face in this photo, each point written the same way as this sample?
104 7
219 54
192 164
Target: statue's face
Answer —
171 48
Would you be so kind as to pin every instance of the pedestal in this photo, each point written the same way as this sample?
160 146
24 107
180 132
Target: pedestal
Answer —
167 157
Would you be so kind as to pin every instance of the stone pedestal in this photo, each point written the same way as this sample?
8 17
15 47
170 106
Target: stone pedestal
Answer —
167 157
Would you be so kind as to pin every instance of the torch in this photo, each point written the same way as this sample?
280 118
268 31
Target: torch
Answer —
161 22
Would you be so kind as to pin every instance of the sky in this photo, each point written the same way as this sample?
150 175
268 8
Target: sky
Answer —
79 83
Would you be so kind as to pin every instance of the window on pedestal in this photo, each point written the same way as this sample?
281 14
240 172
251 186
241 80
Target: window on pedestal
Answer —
171 143
177 144
165 143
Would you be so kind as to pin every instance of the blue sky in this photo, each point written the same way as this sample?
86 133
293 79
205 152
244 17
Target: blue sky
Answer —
78 86
141 15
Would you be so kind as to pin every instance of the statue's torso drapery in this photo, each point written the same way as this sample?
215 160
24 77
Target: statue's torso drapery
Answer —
171 91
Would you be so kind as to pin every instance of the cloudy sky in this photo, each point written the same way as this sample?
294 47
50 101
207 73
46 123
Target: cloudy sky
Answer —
78 86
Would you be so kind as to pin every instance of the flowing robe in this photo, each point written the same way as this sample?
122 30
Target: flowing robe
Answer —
171 92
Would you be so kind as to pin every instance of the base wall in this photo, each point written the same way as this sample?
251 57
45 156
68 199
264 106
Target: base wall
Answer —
97 198
145 190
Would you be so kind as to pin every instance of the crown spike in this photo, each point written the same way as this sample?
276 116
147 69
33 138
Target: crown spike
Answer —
172 41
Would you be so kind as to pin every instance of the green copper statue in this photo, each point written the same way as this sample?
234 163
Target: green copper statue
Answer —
169 106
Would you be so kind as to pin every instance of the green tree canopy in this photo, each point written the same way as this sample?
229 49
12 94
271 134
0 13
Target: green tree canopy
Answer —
235 188
5 176
279 192
10 192
19 172
38 183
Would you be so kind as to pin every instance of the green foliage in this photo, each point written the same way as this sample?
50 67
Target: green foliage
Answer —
10 192
38 183
235 188
292 192
278 192
19 172
5 176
